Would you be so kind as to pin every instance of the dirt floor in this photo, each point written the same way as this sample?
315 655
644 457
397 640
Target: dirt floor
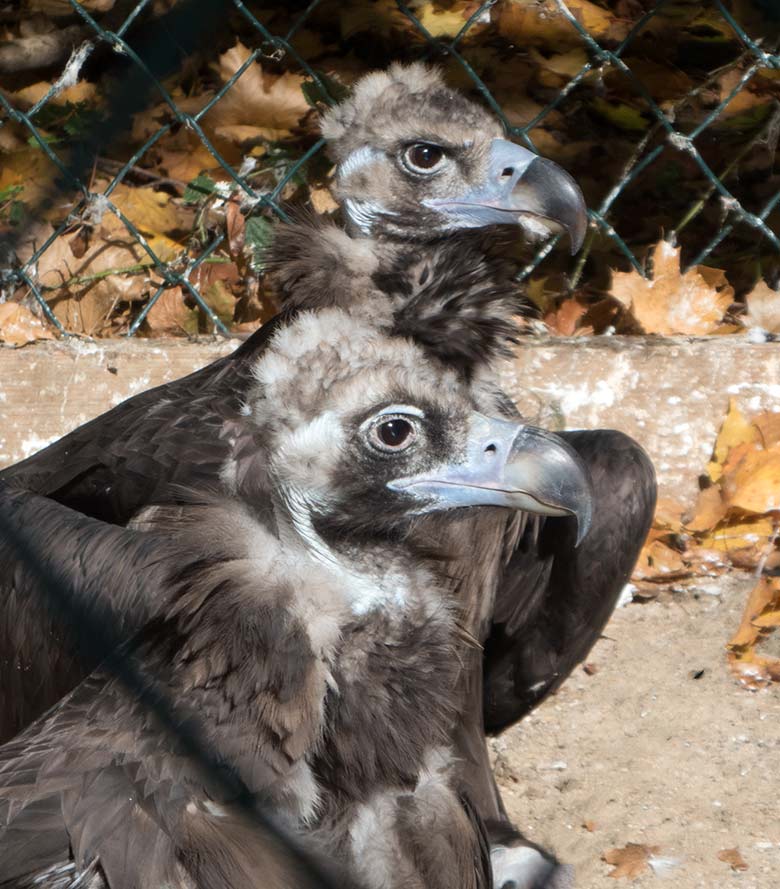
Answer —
660 747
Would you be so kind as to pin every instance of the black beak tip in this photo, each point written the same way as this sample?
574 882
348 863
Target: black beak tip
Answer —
561 199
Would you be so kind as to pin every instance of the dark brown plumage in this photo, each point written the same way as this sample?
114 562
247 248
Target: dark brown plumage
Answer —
322 661
183 433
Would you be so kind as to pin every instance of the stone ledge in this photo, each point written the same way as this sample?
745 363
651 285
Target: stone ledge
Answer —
669 394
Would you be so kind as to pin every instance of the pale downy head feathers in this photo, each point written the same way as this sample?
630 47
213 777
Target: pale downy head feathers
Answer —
370 133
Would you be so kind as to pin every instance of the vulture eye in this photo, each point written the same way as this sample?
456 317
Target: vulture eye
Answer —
393 434
423 157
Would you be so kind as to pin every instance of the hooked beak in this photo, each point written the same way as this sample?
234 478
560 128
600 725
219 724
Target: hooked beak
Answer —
512 465
520 183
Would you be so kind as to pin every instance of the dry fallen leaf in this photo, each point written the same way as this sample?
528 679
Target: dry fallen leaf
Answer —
759 620
18 326
692 304
447 22
564 319
631 861
529 22
753 484
169 316
709 510
763 308
743 542
258 106
736 430
734 858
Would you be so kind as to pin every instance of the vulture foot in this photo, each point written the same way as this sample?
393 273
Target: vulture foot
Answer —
526 867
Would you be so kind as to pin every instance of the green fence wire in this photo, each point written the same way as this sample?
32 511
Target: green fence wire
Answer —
662 127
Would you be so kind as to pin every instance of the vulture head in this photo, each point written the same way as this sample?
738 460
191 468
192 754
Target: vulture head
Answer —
365 434
418 161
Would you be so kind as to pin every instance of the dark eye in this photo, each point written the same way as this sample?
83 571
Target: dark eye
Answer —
423 157
393 434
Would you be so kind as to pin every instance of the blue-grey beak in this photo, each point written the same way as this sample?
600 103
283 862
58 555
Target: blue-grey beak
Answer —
511 465
520 184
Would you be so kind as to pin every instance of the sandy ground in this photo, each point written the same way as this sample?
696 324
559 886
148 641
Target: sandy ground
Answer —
650 754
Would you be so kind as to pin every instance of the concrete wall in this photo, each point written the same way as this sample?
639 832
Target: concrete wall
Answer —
671 395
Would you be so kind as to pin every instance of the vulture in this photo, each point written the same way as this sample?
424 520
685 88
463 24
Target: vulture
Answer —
309 622
425 179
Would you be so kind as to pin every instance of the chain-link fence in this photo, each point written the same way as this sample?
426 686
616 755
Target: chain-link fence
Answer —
141 173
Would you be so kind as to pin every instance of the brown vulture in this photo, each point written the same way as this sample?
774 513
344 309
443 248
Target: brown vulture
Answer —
423 175
309 621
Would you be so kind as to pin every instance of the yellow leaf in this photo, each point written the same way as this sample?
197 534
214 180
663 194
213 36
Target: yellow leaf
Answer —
764 597
447 22
152 212
18 326
736 430
673 303
759 619
731 537
754 485
709 510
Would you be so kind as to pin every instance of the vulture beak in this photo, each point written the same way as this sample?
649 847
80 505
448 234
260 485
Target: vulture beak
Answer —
520 183
512 465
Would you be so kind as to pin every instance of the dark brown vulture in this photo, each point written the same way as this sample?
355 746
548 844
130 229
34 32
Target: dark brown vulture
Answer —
309 621
421 170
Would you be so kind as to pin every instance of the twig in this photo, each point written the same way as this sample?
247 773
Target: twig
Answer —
114 166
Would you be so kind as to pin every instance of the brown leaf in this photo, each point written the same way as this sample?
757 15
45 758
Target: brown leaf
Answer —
18 326
763 308
631 861
258 105
734 858
671 303
169 316
83 289
563 320
235 223
541 22
83 91
660 562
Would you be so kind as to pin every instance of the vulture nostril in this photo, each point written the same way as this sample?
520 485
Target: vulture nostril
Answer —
508 171
491 450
